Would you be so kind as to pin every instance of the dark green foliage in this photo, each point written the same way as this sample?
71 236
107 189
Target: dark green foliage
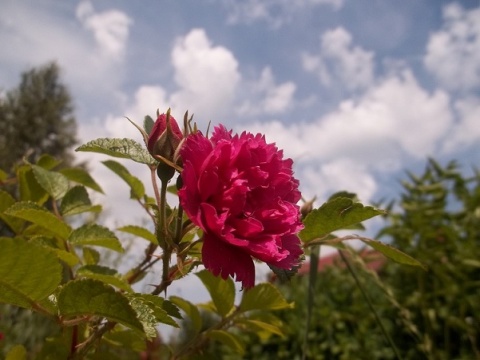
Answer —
37 118
432 314
439 225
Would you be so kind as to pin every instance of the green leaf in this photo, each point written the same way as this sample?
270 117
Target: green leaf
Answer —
148 124
139 231
90 256
229 339
263 297
30 189
190 310
81 177
125 339
120 148
50 243
156 304
3 175
263 329
97 235
392 253
171 309
17 352
40 216
28 272
137 190
6 200
284 275
146 316
87 297
48 162
105 274
77 201
221 291
338 213
54 183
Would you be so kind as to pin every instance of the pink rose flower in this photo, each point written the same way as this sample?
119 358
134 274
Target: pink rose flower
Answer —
164 137
241 192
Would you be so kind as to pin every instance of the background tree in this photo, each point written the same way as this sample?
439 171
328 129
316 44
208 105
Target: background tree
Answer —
37 118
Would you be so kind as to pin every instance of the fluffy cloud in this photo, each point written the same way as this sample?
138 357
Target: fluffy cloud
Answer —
274 12
110 28
340 61
467 130
207 76
392 122
266 97
453 52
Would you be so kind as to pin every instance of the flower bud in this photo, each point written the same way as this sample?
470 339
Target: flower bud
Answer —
164 137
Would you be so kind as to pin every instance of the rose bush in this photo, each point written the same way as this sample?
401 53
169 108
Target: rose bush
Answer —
241 192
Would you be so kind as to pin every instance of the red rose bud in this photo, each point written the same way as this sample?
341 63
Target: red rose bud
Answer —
164 137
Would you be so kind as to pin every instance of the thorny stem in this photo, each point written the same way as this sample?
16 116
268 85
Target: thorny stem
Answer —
84 348
143 266
178 225
155 186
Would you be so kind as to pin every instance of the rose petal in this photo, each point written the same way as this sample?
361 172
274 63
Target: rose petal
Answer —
225 260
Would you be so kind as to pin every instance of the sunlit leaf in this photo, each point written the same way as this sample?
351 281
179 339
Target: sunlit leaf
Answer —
140 232
77 201
30 189
90 256
28 272
156 304
105 274
54 183
392 253
40 216
81 177
222 291
92 297
93 234
338 213
120 148
263 297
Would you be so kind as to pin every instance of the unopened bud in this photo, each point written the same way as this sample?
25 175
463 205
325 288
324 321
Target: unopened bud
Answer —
164 137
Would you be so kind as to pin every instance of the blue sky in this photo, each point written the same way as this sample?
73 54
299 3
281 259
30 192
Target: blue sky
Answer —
354 91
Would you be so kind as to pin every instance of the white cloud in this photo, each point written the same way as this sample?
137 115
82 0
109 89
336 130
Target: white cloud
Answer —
275 12
453 52
110 28
467 130
340 61
265 97
207 76
392 122
338 175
